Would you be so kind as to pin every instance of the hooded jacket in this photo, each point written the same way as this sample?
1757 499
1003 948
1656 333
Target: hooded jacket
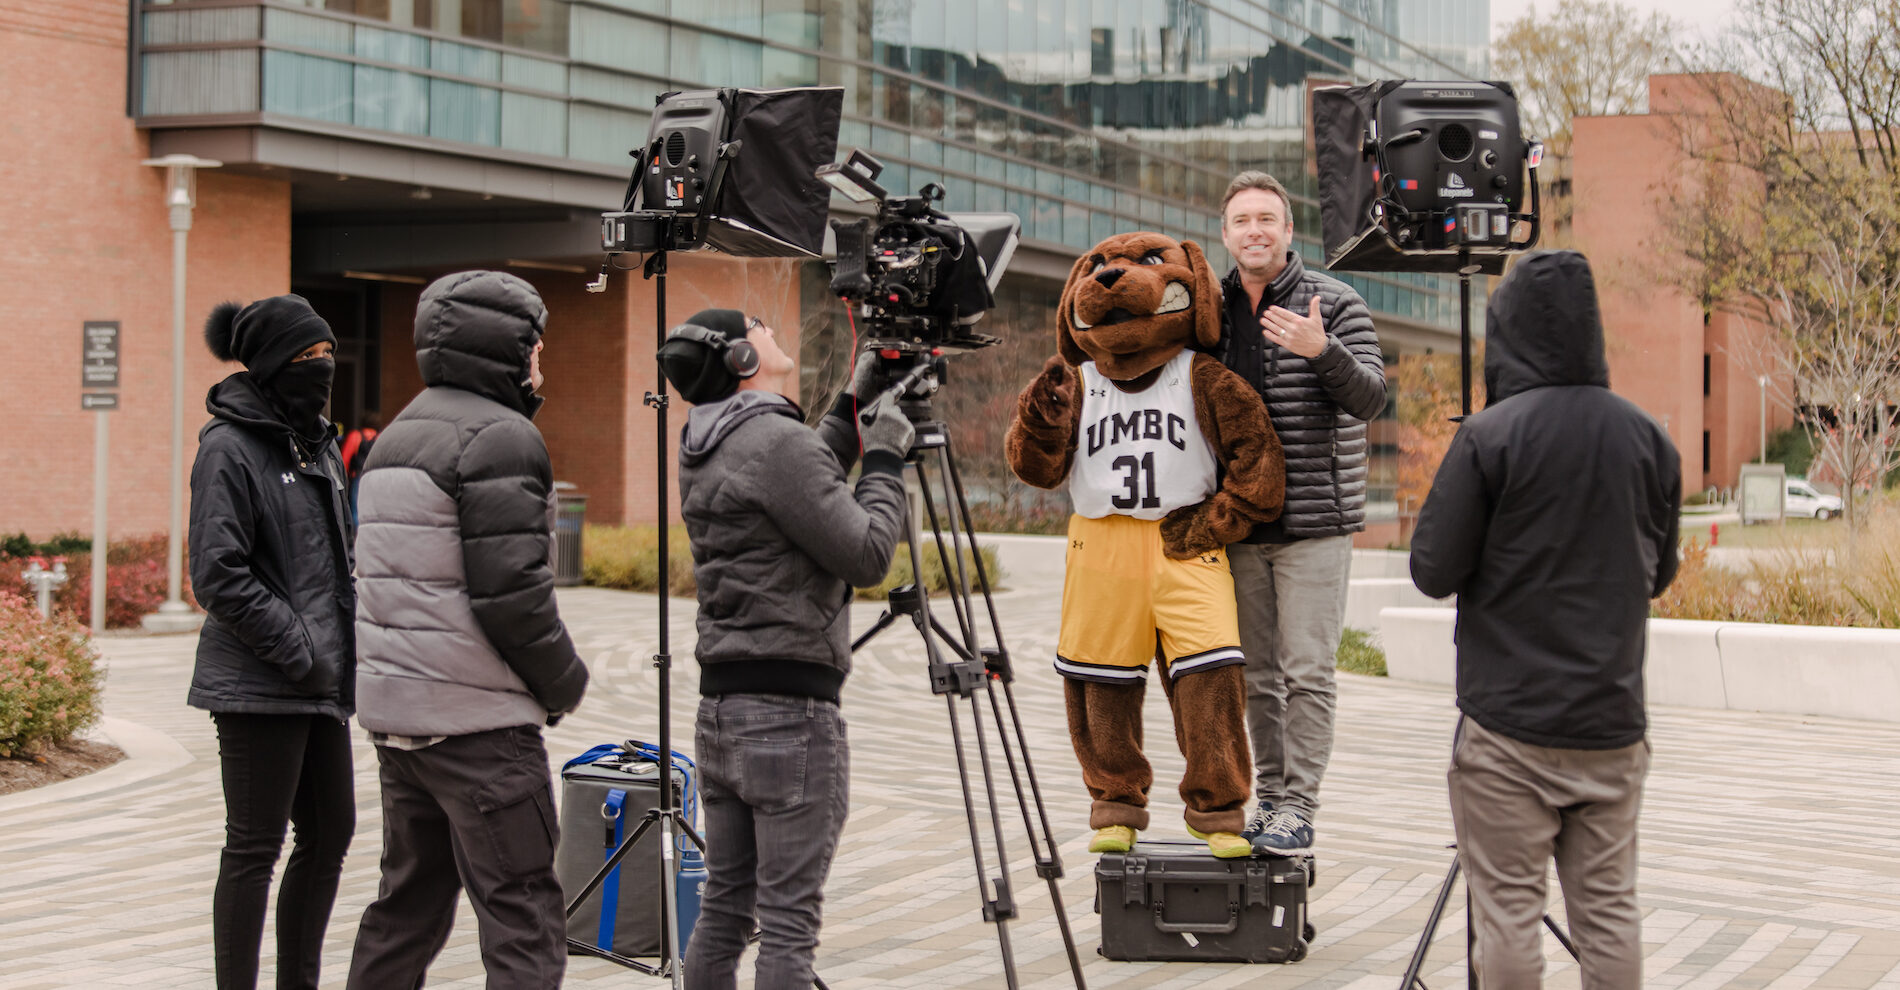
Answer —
779 540
1554 520
457 627
270 564
1319 405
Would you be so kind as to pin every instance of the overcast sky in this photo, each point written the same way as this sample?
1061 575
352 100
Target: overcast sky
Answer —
1700 15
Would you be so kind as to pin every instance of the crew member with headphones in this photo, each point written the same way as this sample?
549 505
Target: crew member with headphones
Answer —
779 538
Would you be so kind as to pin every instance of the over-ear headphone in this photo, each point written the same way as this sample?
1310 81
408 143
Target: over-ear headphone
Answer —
739 356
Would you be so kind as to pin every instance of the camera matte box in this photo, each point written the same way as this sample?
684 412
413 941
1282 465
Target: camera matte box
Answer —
1173 902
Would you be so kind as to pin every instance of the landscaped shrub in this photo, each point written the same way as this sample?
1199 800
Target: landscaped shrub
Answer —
934 578
135 579
49 678
1825 577
627 558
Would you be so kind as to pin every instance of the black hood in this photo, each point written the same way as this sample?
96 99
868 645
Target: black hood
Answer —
1542 327
239 399
475 330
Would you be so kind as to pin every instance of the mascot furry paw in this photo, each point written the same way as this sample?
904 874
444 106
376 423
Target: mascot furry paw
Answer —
1168 457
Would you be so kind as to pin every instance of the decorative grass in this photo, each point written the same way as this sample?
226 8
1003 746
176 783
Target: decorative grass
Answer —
1358 654
627 558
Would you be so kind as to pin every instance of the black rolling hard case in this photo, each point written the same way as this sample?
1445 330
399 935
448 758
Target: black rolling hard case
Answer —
1173 902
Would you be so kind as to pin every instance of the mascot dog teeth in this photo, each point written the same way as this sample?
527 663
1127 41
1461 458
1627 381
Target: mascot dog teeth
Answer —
1168 457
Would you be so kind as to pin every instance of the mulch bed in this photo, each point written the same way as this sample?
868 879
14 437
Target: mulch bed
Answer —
74 758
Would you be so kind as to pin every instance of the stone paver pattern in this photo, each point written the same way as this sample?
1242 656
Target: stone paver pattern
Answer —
1770 844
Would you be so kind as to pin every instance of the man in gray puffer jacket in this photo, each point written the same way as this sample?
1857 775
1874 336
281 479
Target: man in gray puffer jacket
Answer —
462 655
1307 343
778 541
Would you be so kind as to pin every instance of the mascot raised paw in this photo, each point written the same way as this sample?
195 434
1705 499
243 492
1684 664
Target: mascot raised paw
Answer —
1168 457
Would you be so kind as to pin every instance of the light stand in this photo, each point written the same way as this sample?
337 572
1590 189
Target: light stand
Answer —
666 816
1411 980
976 669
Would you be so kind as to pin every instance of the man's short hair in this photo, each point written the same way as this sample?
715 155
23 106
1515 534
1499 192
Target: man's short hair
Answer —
1255 179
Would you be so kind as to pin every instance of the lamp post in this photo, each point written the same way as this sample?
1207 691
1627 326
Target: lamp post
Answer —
181 194
1762 381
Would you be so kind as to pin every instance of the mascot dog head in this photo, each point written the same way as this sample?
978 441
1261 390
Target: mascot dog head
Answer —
1133 301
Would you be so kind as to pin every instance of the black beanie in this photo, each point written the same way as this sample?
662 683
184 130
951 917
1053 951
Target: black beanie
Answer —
695 369
265 335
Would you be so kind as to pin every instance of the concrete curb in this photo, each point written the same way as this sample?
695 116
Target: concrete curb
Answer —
148 753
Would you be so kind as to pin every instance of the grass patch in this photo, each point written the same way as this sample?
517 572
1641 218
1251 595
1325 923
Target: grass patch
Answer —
1813 575
1763 535
627 558
1358 654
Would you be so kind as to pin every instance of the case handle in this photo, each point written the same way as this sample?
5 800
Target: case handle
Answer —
1227 927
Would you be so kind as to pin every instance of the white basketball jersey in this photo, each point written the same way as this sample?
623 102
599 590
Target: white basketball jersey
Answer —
1140 454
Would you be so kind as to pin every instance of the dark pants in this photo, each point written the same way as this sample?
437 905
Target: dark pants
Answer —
474 812
280 770
774 774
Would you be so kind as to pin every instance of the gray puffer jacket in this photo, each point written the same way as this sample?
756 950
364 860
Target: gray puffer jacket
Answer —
457 630
779 540
1319 405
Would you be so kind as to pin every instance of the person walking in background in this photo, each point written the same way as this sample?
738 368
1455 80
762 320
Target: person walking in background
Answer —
1554 520
270 564
463 653
356 447
1306 342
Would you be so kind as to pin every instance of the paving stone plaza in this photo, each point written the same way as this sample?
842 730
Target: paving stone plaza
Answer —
1770 844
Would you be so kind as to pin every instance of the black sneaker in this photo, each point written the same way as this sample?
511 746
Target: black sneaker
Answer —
1262 814
1286 833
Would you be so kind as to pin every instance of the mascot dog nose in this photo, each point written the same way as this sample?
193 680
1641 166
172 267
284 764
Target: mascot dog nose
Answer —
1108 276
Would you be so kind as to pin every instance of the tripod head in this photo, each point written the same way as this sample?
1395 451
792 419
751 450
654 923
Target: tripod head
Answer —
908 374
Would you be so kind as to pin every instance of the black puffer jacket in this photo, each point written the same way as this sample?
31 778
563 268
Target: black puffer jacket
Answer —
1554 520
1319 406
270 563
458 627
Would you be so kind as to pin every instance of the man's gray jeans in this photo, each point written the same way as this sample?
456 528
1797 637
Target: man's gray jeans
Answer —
774 779
1292 601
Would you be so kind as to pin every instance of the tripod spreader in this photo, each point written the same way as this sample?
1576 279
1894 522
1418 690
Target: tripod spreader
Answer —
960 677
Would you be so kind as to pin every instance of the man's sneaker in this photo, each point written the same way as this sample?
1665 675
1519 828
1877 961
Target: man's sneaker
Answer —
1287 833
1262 814
1112 839
1224 845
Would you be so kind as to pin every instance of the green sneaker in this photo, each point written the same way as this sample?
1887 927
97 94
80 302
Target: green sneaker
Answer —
1115 839
1223 845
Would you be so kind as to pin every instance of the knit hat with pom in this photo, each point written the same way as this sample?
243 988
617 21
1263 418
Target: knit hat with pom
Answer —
265 335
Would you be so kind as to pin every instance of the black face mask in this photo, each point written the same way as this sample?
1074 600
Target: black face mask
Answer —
301 390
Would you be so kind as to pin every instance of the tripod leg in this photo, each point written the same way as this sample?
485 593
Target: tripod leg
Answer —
1410 980
1562 938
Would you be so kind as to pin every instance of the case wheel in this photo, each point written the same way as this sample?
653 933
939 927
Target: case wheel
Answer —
1298 953
1308 932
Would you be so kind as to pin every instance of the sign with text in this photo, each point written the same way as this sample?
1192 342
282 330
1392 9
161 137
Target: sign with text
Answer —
99 365
98 401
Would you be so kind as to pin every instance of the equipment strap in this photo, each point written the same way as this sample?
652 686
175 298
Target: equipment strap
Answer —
610 890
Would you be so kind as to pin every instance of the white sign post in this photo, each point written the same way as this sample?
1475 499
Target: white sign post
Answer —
99 376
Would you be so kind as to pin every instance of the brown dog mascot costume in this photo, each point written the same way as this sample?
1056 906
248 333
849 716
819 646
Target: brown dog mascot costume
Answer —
1168 456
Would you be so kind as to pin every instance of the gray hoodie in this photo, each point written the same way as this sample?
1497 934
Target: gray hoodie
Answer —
779 540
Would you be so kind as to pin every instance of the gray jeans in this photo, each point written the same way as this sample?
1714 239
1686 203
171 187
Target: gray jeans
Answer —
1515 807
775 775
1292 600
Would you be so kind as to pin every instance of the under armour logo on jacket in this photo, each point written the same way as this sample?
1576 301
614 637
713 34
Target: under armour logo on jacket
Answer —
290 478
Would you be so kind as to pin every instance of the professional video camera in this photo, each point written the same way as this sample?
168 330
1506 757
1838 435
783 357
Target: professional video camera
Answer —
922 278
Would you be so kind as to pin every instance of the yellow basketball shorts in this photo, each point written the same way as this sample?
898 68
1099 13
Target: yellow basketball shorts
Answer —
1121 595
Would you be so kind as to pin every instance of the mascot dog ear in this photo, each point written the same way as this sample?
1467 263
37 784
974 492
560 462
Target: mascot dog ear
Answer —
1207 301
1066 346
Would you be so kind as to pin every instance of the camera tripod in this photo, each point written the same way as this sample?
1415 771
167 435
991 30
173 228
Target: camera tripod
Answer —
1411 980
973 675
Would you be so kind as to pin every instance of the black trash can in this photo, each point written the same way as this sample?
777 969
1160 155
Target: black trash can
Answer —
570 514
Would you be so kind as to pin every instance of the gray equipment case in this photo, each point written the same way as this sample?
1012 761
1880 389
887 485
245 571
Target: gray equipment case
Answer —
1173 902
587 838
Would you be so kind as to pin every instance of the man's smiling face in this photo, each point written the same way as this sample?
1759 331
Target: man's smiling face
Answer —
1257 230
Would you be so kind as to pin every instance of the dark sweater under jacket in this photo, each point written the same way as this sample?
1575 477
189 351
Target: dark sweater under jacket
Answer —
779 540
1554 520
458 625
1319 405
270 563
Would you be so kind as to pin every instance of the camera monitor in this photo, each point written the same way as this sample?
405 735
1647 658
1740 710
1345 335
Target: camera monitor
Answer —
731 170
1422 176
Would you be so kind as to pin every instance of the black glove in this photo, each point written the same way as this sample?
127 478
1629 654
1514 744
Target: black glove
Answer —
863 384
888 431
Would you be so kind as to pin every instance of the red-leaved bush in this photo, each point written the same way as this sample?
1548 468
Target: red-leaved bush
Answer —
135 583
49 678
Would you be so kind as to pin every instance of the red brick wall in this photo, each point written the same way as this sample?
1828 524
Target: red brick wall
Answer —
90 241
